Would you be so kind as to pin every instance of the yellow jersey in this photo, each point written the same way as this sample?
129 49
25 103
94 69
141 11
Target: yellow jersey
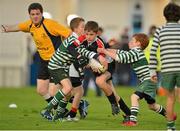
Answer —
47 35
147 53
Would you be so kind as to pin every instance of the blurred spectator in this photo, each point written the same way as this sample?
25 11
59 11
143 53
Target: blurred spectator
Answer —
100 31
101 34
152 30
88 76
122 71
124 39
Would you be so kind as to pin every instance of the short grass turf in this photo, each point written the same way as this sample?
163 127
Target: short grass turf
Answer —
27 115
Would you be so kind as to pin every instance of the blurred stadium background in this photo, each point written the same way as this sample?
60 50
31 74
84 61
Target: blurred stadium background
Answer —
18 60
18 54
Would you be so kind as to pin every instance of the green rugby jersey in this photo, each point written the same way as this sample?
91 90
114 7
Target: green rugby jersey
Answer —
62 57
168 38
138 60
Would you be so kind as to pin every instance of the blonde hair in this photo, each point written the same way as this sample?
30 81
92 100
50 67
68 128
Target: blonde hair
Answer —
75 22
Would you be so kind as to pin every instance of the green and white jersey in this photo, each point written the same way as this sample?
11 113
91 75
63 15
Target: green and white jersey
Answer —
168 38
138 60
62 57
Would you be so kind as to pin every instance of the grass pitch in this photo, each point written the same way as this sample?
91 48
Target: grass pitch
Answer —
27 117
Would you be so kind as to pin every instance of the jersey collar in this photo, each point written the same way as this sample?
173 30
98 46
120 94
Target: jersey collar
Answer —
74 34
89 43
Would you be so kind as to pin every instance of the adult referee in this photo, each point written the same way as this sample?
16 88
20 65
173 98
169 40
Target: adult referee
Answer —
47 35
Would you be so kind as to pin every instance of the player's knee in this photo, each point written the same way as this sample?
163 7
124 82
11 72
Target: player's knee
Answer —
82 91
97 81
151 106
52 92
41 91
79 91
134 96
67 90
100 81
68 96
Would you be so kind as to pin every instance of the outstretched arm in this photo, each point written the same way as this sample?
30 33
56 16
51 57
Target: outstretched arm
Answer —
109 52
122 56
9 28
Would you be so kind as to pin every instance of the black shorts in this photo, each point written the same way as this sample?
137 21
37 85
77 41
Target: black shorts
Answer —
148 98
111 68
43 72
76 81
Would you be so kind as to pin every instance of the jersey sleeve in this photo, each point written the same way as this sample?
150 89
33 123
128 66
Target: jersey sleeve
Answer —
86 53
153 52
59 30
80 40
100 44
25 26
127 56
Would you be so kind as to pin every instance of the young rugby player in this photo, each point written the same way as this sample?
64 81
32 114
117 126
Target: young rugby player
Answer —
68 52
104 81
167 37
146 89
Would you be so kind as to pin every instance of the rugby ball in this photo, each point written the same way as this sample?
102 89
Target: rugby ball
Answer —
96 66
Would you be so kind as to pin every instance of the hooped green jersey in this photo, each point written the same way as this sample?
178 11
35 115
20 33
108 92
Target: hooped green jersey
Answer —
62 58
138 60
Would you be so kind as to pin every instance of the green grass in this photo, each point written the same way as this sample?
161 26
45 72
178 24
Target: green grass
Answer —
27 117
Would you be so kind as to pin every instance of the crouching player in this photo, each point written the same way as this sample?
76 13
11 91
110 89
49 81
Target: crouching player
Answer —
146 89
59 66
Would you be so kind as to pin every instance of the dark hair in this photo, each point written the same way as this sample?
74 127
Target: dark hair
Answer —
35 6
92 26
143 39
152 30
75 22
172 12
101 29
